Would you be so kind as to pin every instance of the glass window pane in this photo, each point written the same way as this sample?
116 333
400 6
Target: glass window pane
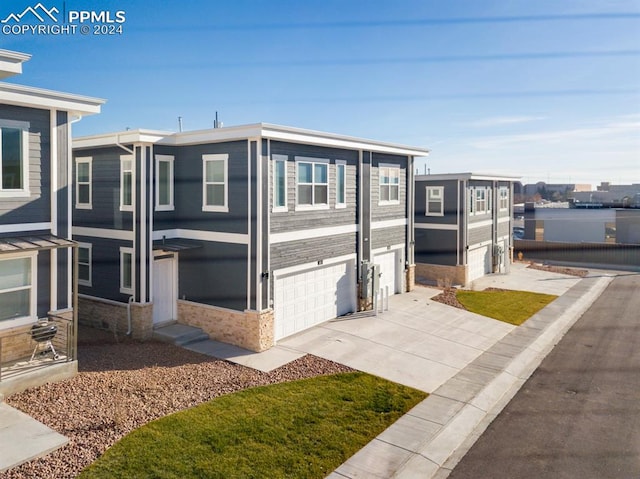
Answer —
320 173
215 195
83 172
15 273
393 175
11 159
279 189
393 193
83 194
304 195
83 255
84 272
126 270
15 304
341 184
321 197
126 189
164 179
384 176
384 193
305 173
215 171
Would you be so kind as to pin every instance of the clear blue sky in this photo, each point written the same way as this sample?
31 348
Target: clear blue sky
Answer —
546 90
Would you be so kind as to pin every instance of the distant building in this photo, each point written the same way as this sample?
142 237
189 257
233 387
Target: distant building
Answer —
553 191
610 196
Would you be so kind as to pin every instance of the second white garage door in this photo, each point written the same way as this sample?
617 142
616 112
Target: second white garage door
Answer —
304 299
479 261
389 267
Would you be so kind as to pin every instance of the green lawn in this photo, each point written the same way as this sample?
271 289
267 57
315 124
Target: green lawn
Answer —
301 429
513 307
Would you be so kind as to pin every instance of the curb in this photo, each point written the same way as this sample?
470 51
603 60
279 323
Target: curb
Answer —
531 343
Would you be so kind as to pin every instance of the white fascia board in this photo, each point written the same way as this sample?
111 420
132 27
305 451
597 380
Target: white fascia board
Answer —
32 97
123 138
11 63
299 135
466 176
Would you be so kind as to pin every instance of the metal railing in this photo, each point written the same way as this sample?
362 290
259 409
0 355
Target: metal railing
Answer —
27 350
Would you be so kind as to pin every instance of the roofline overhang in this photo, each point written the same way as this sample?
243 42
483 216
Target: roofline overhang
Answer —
243 132
32 97
467 176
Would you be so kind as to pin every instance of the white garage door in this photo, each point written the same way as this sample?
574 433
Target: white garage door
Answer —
479 262
304 299
389 268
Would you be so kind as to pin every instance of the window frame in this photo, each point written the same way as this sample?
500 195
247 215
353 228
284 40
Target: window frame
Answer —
87 282
124 288
23 191
324 162
88 160
215 157
33 291
341 165
440 190
285 207
170 206
131 171
388 167
503 199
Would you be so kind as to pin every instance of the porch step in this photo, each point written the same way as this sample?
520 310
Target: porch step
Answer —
179 334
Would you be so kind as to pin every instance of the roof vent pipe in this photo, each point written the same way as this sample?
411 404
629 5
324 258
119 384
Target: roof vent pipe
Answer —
180 124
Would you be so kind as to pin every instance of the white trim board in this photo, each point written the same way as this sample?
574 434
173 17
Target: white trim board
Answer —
312 233
123 235
378 225
25 227
313 265
214 236
435 226
384 249
480 224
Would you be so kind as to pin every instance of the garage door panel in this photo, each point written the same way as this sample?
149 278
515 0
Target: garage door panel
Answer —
389 269
479 262
304 299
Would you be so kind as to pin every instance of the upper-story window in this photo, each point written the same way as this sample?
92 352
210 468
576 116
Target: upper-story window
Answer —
127 270
279 183
435 201
389 184
83 183
312 183
126 183
504 198
215 183
481 200
14 161
341 184
164 183
17 290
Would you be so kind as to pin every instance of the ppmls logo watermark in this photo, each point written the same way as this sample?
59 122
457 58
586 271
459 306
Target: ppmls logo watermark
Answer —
40 20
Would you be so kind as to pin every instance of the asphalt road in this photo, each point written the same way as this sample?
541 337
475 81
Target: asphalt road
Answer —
578 416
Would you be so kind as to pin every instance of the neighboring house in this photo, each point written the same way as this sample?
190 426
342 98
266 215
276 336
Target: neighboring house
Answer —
251 233
463 225
35 222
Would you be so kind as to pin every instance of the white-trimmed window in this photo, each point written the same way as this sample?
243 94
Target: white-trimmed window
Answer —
504 198
18 295
215 183
435 201
389 184
280 183
481 201
14 161
312 183
127 270
341 184
126 183
83 183
84 263
164 183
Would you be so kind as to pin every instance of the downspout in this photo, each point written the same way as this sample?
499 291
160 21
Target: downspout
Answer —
128 150
129 315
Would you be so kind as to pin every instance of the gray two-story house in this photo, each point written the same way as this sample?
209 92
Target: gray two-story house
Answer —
36 257
251 233
463 224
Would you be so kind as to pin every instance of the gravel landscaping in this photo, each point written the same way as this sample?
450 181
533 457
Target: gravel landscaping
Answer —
123 385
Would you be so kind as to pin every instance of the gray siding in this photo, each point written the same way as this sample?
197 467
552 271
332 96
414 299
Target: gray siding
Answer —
381 238
478 235
105 195
386 212
105 268
36 208
188 212
293 253
504 229
296 220
215 274
435 247
450 202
